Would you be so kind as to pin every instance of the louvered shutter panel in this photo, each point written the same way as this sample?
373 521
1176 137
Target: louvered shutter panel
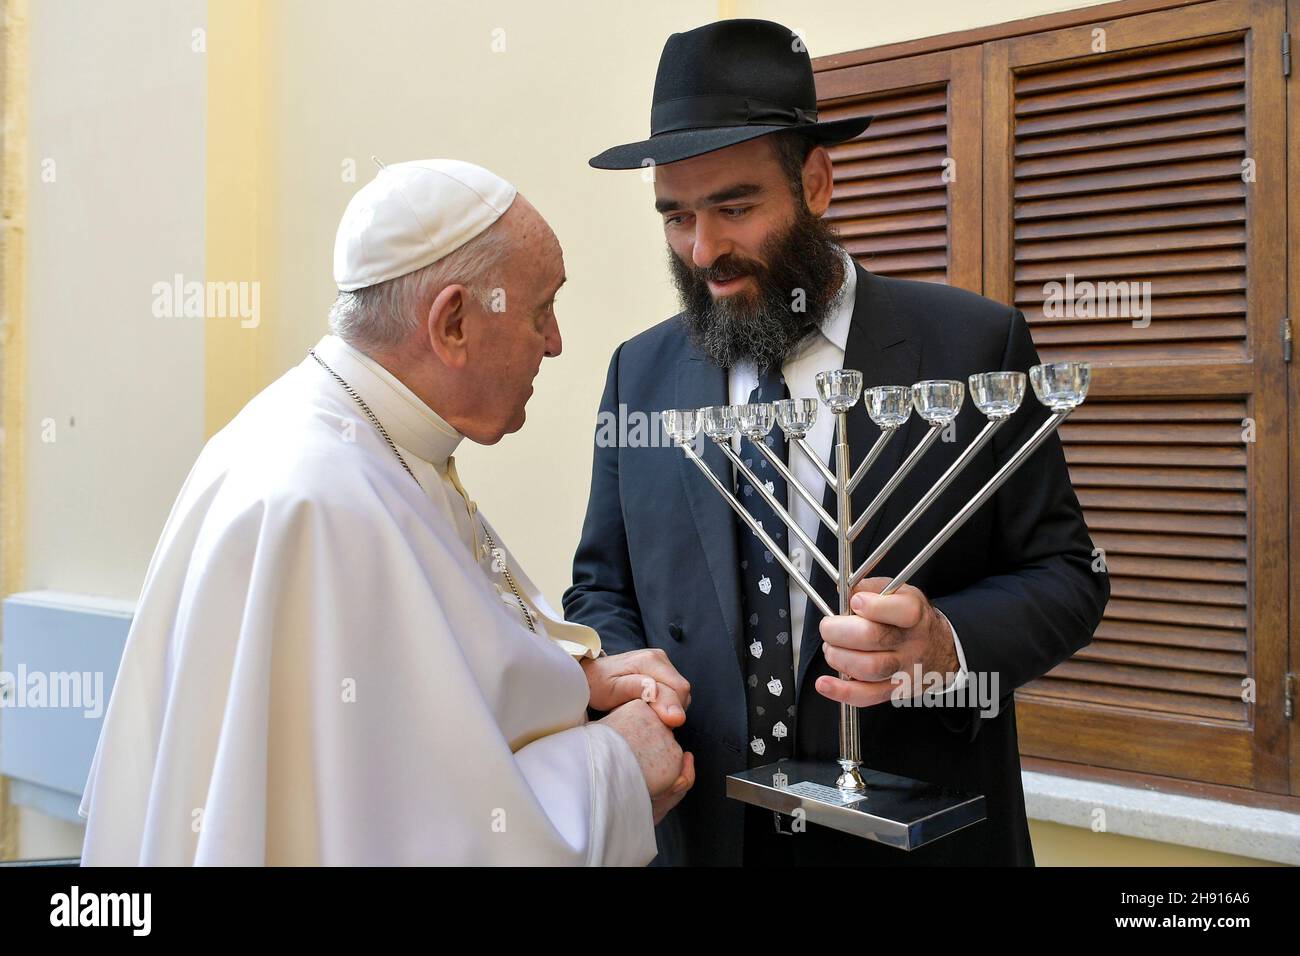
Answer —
907 191
1159 160
1163 484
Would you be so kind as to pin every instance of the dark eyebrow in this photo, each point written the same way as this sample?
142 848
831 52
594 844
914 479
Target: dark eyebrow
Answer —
731 193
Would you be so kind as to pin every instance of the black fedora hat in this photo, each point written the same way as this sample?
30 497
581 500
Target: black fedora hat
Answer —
723 84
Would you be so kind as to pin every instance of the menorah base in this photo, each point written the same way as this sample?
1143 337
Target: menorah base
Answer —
897 811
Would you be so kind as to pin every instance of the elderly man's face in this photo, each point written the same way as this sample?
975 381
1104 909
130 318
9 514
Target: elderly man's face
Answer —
511 343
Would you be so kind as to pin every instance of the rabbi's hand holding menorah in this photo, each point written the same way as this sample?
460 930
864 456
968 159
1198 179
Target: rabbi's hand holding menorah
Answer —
886 634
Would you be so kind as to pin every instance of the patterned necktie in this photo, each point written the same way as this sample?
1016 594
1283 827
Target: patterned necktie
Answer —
769 653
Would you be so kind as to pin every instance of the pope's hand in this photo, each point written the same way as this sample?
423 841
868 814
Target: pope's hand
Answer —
645 675
883 635
668 772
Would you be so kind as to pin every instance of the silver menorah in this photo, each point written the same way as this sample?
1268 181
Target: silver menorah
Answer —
906 813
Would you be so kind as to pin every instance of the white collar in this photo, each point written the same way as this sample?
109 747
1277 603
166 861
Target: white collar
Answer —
407 419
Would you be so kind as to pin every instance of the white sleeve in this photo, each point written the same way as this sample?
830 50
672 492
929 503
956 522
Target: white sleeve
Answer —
622 821
590 786
962 674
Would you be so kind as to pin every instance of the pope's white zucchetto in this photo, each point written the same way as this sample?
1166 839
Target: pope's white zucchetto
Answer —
411 215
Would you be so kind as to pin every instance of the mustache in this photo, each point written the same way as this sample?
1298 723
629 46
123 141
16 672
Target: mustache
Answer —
728 267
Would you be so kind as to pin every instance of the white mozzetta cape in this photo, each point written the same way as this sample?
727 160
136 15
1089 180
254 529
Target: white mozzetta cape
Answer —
321 672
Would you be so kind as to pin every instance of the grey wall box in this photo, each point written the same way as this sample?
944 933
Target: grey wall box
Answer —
59 660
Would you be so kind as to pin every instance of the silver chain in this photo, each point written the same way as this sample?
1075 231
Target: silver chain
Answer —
492 545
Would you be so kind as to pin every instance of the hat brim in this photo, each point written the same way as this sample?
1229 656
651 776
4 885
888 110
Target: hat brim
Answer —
689 143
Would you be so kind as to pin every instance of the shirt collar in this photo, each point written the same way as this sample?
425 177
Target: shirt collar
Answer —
408 420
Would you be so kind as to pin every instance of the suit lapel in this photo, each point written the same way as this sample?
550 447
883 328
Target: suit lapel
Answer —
877 346
700 383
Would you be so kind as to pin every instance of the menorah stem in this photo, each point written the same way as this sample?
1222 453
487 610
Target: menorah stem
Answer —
896 479
770 500
993 484
796 484
850 737
786 564
872 455
807 449
918 509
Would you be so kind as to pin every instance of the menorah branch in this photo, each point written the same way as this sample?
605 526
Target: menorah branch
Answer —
796 484
770 500
993 484
896 479
763 536
918 509
802 444
876 449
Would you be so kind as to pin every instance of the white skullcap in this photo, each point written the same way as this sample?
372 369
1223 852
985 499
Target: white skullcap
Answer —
411 215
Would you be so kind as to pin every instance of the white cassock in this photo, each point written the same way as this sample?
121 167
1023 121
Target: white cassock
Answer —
327 665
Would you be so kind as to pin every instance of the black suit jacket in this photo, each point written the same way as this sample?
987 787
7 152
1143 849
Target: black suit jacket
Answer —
657 566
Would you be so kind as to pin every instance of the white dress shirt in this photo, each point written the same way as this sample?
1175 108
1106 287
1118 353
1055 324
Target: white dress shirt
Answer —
817 353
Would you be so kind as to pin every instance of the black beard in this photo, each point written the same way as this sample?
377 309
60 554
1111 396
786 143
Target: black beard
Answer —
763 327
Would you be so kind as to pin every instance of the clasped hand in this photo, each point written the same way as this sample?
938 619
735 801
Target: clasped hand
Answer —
645 698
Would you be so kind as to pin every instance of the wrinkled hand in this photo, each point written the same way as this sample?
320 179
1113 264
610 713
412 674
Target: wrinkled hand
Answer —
668 772
663 803
645 675
883 635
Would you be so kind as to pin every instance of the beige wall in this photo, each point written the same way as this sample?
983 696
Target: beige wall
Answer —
116 116
426 82
1058 845
113 411
122 104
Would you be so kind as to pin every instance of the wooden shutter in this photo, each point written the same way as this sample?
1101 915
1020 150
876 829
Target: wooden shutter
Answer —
1153 151
907 192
